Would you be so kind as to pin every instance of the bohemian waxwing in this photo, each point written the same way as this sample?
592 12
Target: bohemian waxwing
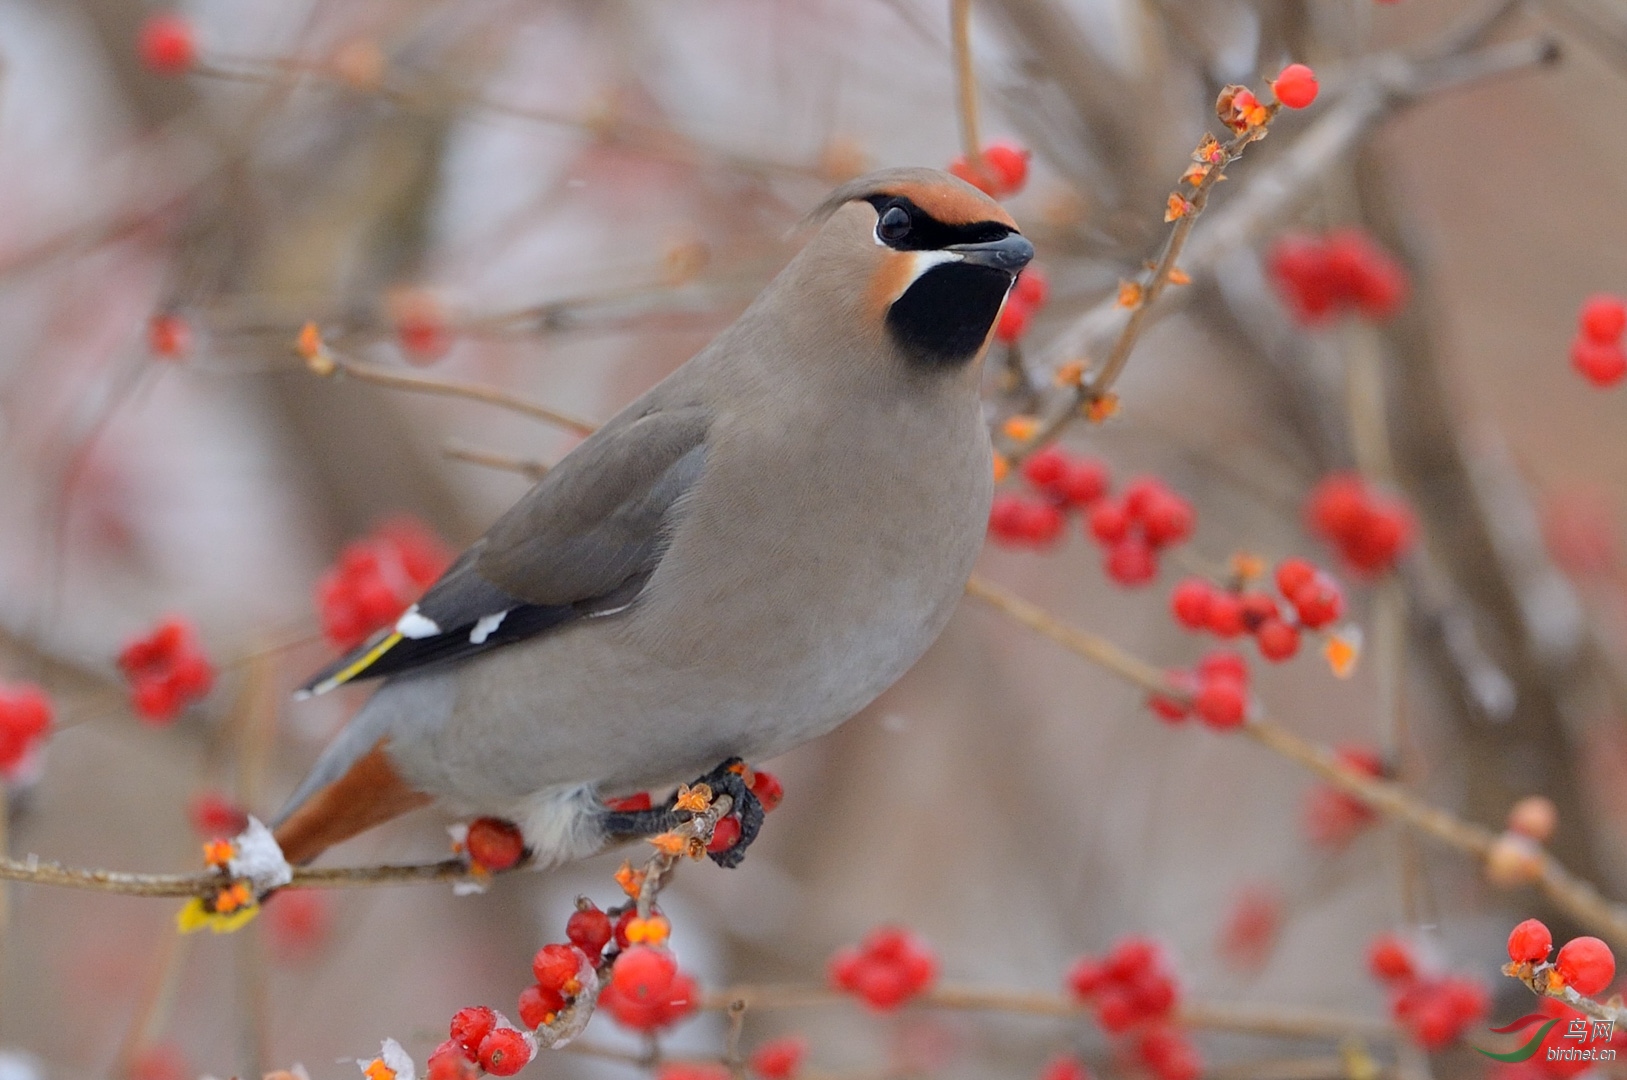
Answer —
739 561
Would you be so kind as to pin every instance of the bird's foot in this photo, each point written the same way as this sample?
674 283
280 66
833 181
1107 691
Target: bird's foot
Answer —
728 779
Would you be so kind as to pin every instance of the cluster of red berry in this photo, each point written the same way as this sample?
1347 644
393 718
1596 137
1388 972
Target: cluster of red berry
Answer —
167 670
1134 994
1368 529
1003 173
1147 518
779 1059
1027 296
886 969
1322 277
376 577
25 721
651 993
1332 817
1584 964
1313 601
298 923
1217 691
481 1040
1434 1010
166 45
1597 353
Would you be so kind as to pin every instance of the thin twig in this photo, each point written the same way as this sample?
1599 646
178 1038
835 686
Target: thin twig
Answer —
207 883
960 36
1576 897
530 468
428 384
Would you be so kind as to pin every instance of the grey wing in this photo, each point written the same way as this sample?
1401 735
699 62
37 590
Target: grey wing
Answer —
581 543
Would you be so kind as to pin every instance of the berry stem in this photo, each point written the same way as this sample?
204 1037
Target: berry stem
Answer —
960 30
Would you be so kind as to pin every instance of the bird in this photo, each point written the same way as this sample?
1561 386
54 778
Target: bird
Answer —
739 561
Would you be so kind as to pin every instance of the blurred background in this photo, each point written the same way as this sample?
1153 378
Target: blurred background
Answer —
566 200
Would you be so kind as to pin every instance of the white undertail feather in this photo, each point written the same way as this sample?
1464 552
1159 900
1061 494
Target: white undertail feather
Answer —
561 824
416 626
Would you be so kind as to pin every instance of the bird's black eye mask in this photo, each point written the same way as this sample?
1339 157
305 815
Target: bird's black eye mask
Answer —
903 226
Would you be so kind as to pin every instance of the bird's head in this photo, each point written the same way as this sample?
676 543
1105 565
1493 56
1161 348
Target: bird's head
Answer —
920 258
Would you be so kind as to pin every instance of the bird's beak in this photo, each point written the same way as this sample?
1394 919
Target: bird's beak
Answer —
1010 253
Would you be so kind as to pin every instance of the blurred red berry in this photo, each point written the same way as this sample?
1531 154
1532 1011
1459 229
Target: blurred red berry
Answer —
1530 942
1319 602
1258 609
1004 170
1602 364
26 715
495 844
450 1061
1342 271
1436 1011
1369 530
1033 288
470 1027
1253 921
1221 703
886 969
1579 526
1277 640
213 815
1173 709
1132 561
1045 469
376 578
166 44
1016 520
1296 86
678 1002
422 327
168 336
1223 664
1166 518
298 923
640 801
1064 1068
504 1052
1292 574
1012 325
779 1059
1391 959
589 930
1084 481
1190 602
167 670
644 973
1586 964
1109 522
1603 318
1225 616
159 1061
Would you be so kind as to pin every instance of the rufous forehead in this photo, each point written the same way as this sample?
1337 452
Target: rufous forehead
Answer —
952 205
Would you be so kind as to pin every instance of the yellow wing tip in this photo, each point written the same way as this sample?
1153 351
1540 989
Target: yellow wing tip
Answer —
351 671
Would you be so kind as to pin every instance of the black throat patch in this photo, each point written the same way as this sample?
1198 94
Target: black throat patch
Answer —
944 317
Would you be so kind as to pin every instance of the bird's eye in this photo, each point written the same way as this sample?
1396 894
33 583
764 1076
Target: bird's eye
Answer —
894 224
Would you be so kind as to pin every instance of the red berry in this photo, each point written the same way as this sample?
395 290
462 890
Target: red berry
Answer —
1012 325
471 1026
1063 1068
1390 959
888 968
1190 602
1385 534
1530 942
1586 964
504 1052
1292 574
1600 364
1296 86
449 1061
1009 164
1223 664
1221 703
421 325
768 789
640 801
214 816
779 1059
1319 602
494 843
1173 709
298 923
1277 640
1602 318
1226 615
168 336
1083 483
539 1006
643 973
1298 267
1166 517
1131 561
1335 507
1032 287
1087 976
167 670
1109 522
166 44
1046 468
726 835
589 930
558 967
